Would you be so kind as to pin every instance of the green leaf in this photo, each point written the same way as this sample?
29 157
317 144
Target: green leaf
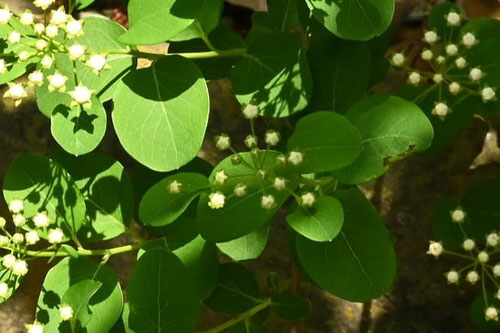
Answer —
160 206
392 128
163 136
360 263
78 297
206 14
79 130
236 291
357 19
147 20
161 295
246 247
18 69
320 223
12 281
81 4
274 75
105 305
219 225
44 185
290 307
108 194
327 140
70 250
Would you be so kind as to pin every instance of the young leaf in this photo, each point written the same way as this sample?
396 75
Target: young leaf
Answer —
163 136
327 140
247 247
236 291
78 297
320 223
392 128
290 307
372 17
169 198
361 261
170 304
105 305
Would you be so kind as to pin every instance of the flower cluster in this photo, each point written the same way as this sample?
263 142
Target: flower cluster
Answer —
450 72
481 261
39 44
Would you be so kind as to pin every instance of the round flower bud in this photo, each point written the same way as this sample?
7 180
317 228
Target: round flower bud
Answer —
81 95
41 220
221 177
414 78
491 313
475 74
223 142
16 92
39 28
3 66
492 239
55 236
36 327
441 109
295 157
74 28
488 94
451 49
279 183
469 40
236 159
76 51
308 199
458 215
20 268
453 19
468 245
3 222
461 63
267 201
47 62
174 187
281 159
272 138
17 238
427 55
496 270
24 56
472 277
57 81
5 16
483 257
14 37
27 18
16 206
97 62
454 88
59 16
435 249
250 111
251 141
32 237
66 312
217 200
43 4
19 220
430 37
4 290
4 240
240 190
8 261
452 276
52 31
36 78
398 59
438 78
41 44
440 59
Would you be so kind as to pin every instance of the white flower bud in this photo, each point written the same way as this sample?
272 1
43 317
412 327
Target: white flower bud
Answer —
435 249
472 277
19 220
414 78
251 141
491 313
17 238
20 268
76 51
223 142
66 312
496 270
36 327
461 63
174 187
16 206
221 177
308 199
36 78
52 31
8 261
469 40
217 200
492 239
438 78
47 62
5 16
55 236
267 201
453 19
427 55
468 245
240 190
483 257
16 92
57 81
44 4
454 88
441 109
452 277
475 74
74 28
81 95
32 237
440 59
59 16
398 59
41 220
27 18
39 28
14 37
295 157
41 44
3 67
250 111
457 215
430 37
272 138
4 290
279 183
3 222
451 49
4 240
281 159
97 62
488 94
24 56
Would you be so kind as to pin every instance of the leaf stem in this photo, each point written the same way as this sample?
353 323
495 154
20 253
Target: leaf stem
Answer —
189 55
82 252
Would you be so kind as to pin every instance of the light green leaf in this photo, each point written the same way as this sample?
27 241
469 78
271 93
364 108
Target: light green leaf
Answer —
247 247
206 14
173 98
81 4
327 140
78 298
13 282
18 69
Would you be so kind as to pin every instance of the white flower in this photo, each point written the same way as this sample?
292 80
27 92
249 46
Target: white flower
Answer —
174 187
19 220
220 177
16 206
451 49
475 74
414 78
472 277
250 111
454 88
223 142
483 257
41 220
47 62
435 249
438 78
5 16
77 51
3 222
52 31
279 183
398 59
66 312
17 238
59 16
469 40
9 260
240 190
16 92
440 59
430 37
44 4
27 18
36 78
14 37
55 236
20 268
4 289
4 240
251 141
452 276
427 55
39 28
3 67
217 200
496 270
468 245
24 56
97 62
488 94
36 327
441 109
41 44
453 19
308 199
492 239
491 313
57 81
461 63
32 237
81 95
457 215
267 201
295 157
272 138
74 28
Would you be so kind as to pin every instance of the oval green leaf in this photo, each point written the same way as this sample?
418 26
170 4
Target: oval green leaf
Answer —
247 247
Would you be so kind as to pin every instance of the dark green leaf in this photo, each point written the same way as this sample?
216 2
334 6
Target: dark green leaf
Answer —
247 247
290 307
78 297
206 14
